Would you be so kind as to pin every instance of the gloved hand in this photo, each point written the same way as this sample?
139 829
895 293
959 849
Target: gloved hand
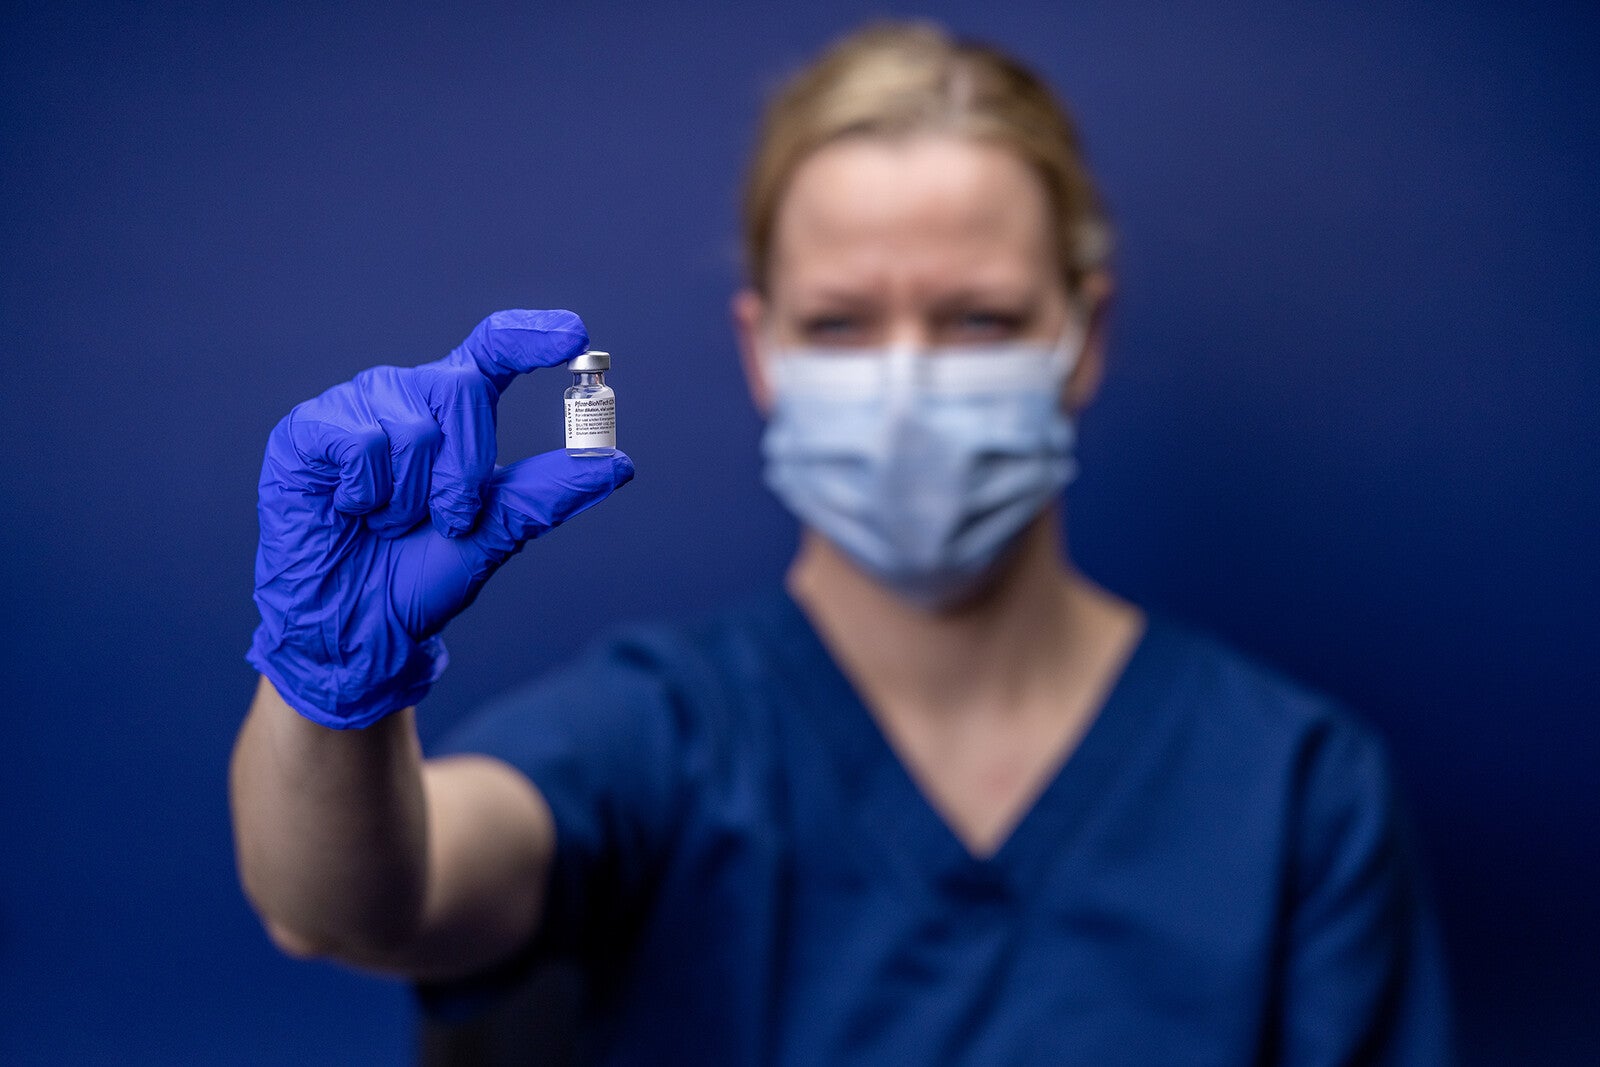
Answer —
352 585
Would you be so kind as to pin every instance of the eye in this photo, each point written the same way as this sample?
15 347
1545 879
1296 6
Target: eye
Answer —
980 325
832 329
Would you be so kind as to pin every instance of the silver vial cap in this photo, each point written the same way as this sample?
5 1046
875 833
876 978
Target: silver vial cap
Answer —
590 362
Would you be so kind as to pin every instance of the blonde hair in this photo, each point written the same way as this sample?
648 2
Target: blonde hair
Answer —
897 79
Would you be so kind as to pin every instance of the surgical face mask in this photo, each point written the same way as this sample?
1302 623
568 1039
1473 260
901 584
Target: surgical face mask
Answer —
922 466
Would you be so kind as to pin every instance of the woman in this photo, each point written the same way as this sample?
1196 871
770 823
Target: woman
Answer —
940 799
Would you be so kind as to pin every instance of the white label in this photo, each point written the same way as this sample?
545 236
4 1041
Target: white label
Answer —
592 421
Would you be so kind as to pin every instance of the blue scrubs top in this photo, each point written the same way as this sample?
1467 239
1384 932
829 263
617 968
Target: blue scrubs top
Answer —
1219 874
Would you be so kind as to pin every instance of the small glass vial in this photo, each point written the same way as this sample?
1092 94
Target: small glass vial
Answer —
591 407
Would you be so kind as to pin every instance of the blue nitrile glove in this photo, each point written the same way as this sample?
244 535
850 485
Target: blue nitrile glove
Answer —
352 585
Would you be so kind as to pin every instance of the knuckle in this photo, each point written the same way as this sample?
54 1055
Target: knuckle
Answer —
310 411
453 386
283 430
468 380
454 496
427 437
365 443
414 434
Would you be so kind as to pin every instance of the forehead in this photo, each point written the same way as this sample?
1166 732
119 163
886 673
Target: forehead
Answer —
917 213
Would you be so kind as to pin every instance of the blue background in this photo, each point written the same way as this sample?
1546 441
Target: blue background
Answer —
1350 423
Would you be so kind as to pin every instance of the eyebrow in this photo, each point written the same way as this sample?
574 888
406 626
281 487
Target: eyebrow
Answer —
1026 295
834 298
1023 298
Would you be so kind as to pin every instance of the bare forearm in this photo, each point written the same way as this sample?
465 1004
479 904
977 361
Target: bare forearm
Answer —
331 829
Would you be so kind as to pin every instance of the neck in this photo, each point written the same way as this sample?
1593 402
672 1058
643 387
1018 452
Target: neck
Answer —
1033 621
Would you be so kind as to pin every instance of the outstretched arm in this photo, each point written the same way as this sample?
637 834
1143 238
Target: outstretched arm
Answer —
352 847
382 516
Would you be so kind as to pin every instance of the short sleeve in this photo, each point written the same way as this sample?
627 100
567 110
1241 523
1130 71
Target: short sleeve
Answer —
602 741
1364 977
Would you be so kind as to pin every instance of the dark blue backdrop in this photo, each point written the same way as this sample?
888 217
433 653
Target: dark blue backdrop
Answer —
1350 423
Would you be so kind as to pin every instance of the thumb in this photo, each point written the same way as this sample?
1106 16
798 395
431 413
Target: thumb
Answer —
541 492
509 343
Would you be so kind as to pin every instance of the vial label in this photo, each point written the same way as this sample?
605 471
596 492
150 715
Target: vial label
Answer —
592 421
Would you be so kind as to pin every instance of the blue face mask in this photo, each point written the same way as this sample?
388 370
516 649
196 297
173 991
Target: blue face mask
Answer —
923 467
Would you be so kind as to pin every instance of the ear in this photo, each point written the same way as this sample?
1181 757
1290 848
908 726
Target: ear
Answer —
749 310
1095 297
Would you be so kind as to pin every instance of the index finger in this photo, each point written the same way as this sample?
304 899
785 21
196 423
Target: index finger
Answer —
509 343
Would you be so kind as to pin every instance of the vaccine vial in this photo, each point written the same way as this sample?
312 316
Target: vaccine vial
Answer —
591 407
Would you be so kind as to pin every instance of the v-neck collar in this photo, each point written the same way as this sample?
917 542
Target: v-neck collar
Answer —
895 811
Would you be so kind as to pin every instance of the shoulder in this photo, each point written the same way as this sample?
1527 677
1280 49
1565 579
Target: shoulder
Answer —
1216 689
1246 731
1269 764
1314 784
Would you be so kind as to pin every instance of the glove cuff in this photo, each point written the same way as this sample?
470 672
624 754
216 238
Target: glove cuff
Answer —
328 697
